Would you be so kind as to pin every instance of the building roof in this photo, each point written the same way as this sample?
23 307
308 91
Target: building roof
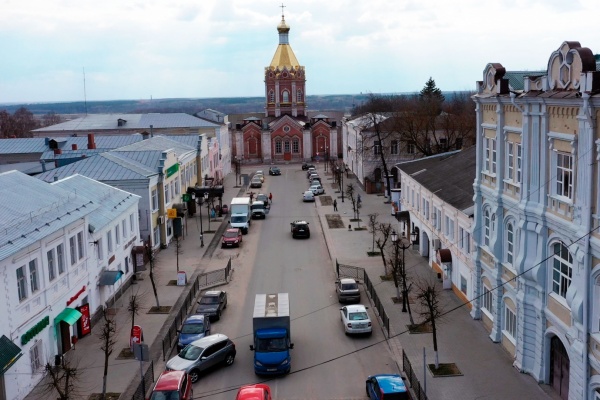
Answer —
455 188
159 143
31 210
111 201
516 79
22 145
142 122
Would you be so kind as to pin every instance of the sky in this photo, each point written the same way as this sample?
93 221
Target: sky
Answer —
71 50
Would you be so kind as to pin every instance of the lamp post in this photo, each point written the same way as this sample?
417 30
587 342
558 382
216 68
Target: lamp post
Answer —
342 182
201 228
326 157
207 208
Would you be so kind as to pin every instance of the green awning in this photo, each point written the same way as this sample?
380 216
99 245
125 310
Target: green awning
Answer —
69 315
9 354
108 278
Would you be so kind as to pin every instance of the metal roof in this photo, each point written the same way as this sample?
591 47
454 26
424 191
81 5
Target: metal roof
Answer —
449 176
22 145
31 210
112 202
158 142
103 167
98 122
516 79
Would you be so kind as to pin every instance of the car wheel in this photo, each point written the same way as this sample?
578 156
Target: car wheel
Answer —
308 236
225 306
229 359
367 389
218 315
194 375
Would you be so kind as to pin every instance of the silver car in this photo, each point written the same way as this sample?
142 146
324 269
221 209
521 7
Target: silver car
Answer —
202 354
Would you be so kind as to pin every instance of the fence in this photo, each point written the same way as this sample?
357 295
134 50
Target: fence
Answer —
412 378
358 273
145 384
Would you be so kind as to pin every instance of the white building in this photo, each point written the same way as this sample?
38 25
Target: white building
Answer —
51 278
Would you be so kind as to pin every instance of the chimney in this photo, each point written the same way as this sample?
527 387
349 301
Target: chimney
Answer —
57 151
74 146
91 141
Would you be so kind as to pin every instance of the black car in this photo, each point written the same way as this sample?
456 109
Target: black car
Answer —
306 166
212 303
300 229
274 171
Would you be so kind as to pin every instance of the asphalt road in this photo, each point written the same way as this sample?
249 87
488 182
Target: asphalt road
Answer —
326 364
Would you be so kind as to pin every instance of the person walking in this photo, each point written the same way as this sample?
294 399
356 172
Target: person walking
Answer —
270 197
334 204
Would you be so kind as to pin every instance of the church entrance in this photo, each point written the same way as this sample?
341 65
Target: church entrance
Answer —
320 148
559 368
287 150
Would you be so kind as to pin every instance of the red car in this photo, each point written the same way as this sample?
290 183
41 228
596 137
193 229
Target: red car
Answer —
172 385
254 392
231 238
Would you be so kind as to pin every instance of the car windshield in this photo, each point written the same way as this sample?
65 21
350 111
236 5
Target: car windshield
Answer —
258 206
165 395
239 218
209 300
358 316
262 197
308 193
191 352
193 329
268 345
349 286
230 234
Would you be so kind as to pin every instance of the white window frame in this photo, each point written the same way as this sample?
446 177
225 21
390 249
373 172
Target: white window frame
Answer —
394 146
411 148
117 235
73 250
562 270
487 300
490 155
124 229
278 147
51 258
509 243
510 161
60 259
564 174
509 324
156 236
154 199
376 147
595 325
109 244
36 356
295 146
487 226
99 249
167 194
22 283
132 223
34 277
80 245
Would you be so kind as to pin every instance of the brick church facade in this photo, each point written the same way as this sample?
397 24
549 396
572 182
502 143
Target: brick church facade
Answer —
286 131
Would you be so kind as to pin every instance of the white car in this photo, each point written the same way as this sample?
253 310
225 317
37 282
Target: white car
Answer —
308 196
317 189
356 319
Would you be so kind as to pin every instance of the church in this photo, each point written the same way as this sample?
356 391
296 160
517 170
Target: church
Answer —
286 131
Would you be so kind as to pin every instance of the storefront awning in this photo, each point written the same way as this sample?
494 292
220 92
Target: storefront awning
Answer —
9 354
108 278
68 315
444 256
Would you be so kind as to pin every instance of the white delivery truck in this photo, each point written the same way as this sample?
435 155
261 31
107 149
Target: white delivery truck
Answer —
240 213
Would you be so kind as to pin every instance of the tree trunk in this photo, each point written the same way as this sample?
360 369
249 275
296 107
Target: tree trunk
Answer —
151 275
433 328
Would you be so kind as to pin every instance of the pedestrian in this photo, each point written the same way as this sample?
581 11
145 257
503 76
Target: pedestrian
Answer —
251 196
270 197
334 204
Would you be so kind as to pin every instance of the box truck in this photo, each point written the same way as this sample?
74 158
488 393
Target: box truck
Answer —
240 213
271 331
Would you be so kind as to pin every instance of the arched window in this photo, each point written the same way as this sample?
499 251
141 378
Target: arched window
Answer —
278 147
286 96
487 225
295 146
510 242
271 96
299 96
562 269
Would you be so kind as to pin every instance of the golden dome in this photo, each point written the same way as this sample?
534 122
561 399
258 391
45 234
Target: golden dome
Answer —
283 27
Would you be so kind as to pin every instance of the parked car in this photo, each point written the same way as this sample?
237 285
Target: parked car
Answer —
212 303
316 189
308 196
264 198
315 182
347 290
202 354
231 238
300 229
355 319
261 175
274 171
310 171
172 385
386 387
314 176
306 166
258 391
256 182
194 327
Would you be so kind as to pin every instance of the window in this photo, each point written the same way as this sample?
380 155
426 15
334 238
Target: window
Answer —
486 227
278 148
271 96
35 355
117 235
33 276
51 265
99 249
80 244
295 146
411 148
286 146
562 269
564 174
132 223
167 194
490 155
73 250
156 235
124 229
519 162
60 258
376 147
299 96
21 283
177 186
154 200
513 162
286 96
394 147
486 299
510 242
463 284
443 143
109 246
510 322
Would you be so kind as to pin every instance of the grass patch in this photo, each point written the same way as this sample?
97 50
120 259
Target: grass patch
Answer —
420 328
125 354
159 310
373 253
448 369
325 200
108 396
361 228
334 221
387 277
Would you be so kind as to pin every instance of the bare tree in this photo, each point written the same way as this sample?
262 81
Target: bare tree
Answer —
152 260
373 228
50 118
60 380
107 344
24 123
178 249
350 193
134 306
385 230
429 295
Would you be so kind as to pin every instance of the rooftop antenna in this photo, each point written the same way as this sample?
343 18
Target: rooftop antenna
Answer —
84 93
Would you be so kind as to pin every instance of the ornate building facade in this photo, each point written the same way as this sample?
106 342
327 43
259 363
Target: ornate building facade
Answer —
286 132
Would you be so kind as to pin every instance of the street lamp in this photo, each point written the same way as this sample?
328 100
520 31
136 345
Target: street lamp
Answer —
342 181
403 244
207 208
326 157
201 228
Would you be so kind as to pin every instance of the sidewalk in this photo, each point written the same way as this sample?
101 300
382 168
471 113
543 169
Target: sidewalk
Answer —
486 367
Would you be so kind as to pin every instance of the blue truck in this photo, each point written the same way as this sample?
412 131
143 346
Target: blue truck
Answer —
271 329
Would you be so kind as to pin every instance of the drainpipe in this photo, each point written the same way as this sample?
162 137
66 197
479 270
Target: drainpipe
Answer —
513 96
